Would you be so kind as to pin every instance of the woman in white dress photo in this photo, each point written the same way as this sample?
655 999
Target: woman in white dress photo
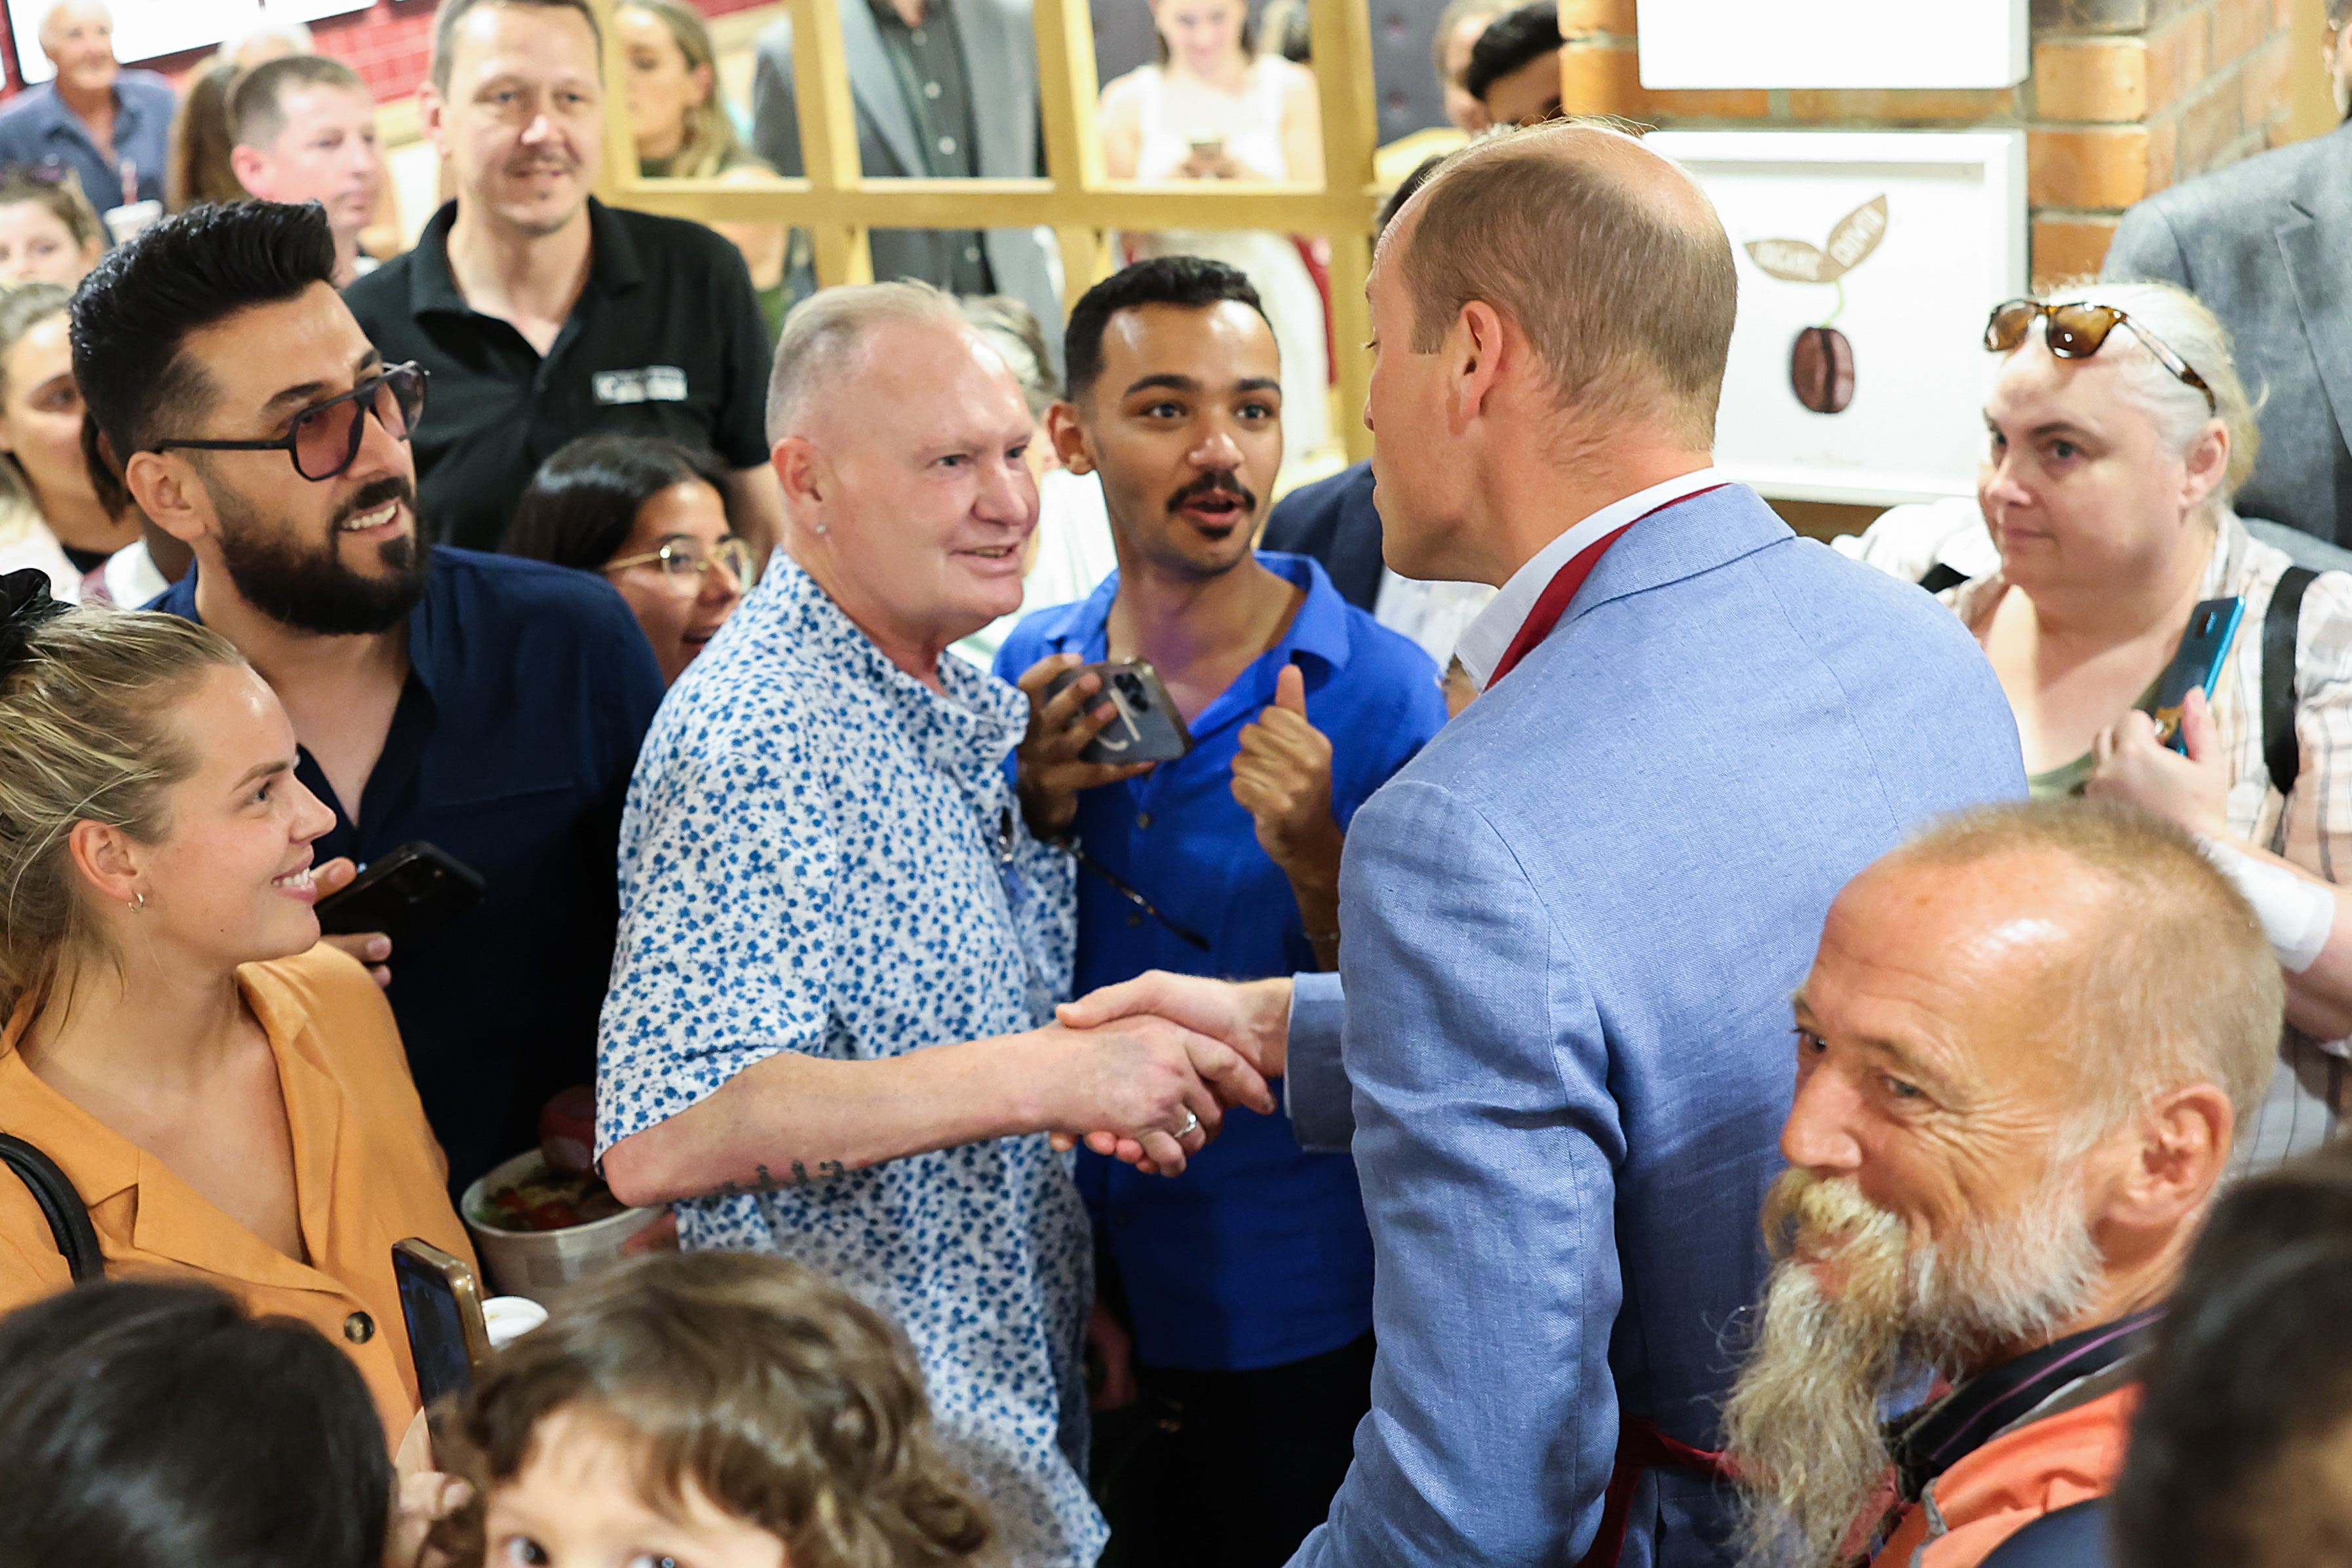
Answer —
1213 109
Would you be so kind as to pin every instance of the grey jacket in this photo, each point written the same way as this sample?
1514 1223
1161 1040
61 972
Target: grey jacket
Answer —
1000 64
2267 244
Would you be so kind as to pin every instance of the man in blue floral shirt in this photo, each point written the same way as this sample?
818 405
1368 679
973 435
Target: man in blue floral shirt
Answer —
829 1031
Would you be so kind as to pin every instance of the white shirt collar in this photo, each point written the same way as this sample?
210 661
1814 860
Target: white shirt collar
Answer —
1487 639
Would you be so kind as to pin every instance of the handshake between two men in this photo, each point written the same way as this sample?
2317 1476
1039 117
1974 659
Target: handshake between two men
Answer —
1236 1033
1144 1069
1248 1020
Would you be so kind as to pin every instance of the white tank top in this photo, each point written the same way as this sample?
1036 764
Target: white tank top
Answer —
1176 110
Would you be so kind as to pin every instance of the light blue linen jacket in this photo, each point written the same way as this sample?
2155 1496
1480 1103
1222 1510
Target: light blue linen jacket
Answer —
1562 1053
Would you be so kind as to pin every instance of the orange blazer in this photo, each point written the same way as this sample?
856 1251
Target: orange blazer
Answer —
367 1173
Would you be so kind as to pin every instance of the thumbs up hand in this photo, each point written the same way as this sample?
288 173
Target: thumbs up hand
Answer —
1282 776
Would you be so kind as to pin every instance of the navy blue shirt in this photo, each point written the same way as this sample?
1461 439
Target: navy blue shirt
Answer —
529 689
1257 1255
37 128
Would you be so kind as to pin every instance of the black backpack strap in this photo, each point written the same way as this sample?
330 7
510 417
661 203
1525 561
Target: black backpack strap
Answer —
62 1207
2281 754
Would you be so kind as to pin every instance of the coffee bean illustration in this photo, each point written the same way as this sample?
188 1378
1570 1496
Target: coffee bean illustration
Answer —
1820 369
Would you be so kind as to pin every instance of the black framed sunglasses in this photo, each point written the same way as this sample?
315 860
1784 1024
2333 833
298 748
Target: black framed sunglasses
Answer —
323 440
2078 331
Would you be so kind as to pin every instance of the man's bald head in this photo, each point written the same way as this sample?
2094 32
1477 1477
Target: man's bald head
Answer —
819 346
1607 255
2153 972
66 11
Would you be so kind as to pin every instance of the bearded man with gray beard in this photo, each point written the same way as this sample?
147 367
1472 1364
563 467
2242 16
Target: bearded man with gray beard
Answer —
2022 1048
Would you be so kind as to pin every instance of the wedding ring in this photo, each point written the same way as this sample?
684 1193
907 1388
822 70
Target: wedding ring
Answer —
1191 1123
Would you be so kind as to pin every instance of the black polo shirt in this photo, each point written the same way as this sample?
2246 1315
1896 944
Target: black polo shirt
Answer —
666 340
529 688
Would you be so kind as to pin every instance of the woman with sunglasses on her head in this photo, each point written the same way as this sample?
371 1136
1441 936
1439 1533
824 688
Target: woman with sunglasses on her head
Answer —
651 516
2117 432
227 1095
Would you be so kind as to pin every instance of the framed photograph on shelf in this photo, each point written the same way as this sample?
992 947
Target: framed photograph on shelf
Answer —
1832 44
1868 261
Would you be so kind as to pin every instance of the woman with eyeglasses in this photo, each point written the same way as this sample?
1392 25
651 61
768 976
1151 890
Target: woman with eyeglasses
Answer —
651 515
2117 432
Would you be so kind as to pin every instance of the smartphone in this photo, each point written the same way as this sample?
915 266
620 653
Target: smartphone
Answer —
442 1302
413 887
1148 728
2196 665
1207 145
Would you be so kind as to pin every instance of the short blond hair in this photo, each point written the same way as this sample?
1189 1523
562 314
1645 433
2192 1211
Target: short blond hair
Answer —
2186 326
2180 987
1628 304
822 335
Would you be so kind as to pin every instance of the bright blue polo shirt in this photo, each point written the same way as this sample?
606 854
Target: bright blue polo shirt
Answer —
1257 1255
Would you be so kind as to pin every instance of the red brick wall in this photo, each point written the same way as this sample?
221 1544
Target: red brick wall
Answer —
2125 97
390 43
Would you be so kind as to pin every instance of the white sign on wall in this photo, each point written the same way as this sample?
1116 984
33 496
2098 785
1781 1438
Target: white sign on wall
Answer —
1832 43
150 29
1868 261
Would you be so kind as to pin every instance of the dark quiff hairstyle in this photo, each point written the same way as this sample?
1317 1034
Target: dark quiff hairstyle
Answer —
1626 294
256 103
153 1425
1187 282
782 1399
585 498
2238 1449
452 12
136 310
1511 42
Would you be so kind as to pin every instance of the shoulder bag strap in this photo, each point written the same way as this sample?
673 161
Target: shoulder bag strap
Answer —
62 1207
2281 754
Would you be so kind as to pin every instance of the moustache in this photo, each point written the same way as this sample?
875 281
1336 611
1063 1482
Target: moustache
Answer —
1830 1223
1207 484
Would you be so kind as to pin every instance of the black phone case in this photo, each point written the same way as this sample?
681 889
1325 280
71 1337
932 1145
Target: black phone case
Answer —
415 887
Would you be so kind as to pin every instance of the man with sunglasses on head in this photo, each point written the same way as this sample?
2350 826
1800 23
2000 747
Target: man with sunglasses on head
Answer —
1249 1276
491 708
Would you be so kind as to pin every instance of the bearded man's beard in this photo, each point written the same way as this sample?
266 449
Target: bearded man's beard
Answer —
1805 1423
308 587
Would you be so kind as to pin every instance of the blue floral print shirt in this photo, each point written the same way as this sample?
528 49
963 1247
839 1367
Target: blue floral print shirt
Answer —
822 854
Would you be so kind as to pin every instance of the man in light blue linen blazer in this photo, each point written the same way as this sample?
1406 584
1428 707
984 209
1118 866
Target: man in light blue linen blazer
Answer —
1559 1044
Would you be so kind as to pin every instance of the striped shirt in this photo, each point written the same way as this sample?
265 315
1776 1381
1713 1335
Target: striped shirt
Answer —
2310 826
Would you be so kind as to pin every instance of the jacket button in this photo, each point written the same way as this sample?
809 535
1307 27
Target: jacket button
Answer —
359 1328
1143 820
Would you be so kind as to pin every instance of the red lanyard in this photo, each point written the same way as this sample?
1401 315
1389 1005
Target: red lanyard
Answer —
1553 602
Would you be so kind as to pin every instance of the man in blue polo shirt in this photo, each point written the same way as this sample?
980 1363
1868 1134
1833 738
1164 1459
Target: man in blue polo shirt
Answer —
490 707
1249 1278
109 126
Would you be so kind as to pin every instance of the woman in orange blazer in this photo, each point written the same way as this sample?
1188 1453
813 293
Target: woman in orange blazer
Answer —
227 1094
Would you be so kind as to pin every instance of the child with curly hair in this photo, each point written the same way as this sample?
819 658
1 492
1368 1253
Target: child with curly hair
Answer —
710 1410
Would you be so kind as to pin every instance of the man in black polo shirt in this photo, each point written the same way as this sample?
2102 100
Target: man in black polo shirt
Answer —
544 315
488 705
